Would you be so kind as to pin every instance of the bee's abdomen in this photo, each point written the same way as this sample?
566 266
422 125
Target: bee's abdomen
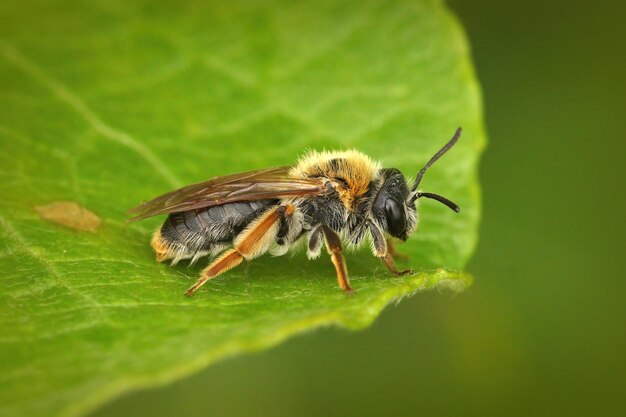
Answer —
187 233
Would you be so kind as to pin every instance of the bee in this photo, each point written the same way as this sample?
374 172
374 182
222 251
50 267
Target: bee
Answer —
324 199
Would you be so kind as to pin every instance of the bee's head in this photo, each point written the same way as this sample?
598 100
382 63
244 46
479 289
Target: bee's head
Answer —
394 206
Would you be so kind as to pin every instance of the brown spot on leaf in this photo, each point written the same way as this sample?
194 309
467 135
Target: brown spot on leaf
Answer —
70 214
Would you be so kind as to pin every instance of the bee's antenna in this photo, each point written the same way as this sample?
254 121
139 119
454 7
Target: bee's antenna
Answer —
439 198
438 155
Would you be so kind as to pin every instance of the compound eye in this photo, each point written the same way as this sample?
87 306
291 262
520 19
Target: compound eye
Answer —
396 218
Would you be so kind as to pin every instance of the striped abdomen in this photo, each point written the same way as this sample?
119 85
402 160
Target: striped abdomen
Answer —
207 231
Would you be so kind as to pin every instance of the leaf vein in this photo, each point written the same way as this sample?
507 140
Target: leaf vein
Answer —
48 266
63 93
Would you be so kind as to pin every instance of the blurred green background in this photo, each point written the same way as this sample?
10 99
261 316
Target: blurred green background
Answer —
542 330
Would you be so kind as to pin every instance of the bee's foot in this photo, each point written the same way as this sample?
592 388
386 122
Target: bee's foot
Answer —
349 291
401 257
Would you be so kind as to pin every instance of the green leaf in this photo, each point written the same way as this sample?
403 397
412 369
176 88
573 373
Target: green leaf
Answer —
110 103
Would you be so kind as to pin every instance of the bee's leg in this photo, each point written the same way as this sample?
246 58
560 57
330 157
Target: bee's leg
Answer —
391 266
381 250
228 260
391 248
250 243
333 246
314 245
283 230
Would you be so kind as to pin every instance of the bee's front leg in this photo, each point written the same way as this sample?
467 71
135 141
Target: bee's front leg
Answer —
391 266
382 250
391 249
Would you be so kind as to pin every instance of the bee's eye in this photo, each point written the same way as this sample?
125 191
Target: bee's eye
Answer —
396 218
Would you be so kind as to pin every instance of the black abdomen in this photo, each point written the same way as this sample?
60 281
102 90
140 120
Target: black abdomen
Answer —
206 229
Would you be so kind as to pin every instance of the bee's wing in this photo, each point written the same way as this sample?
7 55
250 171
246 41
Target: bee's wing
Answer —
245 186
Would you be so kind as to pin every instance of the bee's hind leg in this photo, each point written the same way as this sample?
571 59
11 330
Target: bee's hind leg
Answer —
384 251
250 243
228 260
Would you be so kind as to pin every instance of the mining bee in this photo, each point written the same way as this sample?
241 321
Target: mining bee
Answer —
326 197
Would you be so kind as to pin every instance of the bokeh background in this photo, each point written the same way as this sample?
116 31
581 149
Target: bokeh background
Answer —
542 331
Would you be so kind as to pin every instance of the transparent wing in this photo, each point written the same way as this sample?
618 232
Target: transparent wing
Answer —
244 186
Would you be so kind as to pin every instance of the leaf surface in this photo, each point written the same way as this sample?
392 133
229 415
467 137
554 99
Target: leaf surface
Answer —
110 103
